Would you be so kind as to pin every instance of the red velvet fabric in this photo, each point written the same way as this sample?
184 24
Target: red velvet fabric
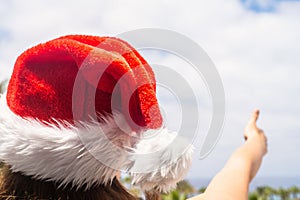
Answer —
42 83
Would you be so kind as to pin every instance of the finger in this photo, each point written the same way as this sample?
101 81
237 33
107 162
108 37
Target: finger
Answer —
254 117
251 123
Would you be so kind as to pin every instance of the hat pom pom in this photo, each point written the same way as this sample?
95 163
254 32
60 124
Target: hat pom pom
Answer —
161 161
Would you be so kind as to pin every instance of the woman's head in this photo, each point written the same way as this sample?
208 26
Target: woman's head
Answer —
75 112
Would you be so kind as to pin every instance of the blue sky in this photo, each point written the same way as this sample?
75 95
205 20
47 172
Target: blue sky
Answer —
261 5
254 44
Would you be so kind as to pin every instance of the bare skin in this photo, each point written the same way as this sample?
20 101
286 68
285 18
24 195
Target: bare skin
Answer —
232 182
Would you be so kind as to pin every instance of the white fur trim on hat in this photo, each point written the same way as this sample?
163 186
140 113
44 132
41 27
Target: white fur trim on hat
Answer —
161 161
87 155
57 153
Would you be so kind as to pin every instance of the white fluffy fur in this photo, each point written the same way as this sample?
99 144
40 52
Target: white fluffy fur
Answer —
58 153
161 161
69 154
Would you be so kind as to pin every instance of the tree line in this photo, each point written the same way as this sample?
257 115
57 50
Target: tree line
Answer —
185 190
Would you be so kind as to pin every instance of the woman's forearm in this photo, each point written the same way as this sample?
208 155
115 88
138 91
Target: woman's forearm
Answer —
233 180
247 158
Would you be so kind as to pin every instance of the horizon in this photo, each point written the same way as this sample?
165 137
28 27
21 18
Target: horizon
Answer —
272 181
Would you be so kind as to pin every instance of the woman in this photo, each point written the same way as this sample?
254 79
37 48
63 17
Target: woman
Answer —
240 170
74 114
70 121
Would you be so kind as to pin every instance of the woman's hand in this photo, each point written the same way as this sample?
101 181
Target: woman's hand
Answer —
252 132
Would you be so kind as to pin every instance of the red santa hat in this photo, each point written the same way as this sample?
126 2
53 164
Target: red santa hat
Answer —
76 111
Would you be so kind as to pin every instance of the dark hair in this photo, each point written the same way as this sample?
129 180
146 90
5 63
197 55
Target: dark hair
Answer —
14 185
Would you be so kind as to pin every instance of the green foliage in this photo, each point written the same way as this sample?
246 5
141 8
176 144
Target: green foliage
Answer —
294 192
284 194
174 195
269 193
253 196
201 190
185 189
